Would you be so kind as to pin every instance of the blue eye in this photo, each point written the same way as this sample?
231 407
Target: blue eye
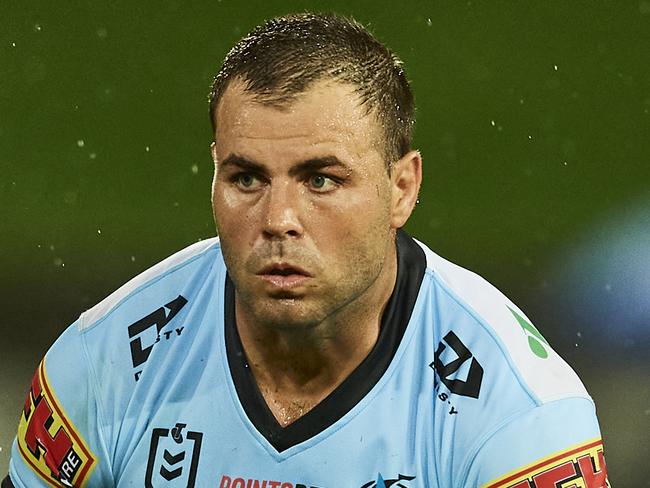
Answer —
246 180
318 181
321 183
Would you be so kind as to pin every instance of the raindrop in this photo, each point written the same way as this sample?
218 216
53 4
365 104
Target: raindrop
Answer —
195 169
92 155
521 101
530 138
146 148
133 259
81 143
13 44
493 123
429 23
579 334
38 28
99 231
565 163
51 247
555 67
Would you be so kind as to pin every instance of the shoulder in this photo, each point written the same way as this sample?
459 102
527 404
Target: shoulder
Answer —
153 314
122 329
499 382
90 373
471 306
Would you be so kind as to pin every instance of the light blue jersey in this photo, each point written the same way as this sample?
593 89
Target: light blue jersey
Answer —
151 388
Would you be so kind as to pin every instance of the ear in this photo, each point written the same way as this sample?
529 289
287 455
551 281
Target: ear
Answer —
213 151
406 177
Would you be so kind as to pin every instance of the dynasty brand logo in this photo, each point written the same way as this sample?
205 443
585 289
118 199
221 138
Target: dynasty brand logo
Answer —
401 481
140 331
471 387
173 457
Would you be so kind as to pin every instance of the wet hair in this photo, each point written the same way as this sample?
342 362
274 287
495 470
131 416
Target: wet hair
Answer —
285 56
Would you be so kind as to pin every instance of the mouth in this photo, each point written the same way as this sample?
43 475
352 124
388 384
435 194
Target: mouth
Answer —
283 275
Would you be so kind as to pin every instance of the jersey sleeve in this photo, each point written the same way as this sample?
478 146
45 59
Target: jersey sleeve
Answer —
59 440
557 443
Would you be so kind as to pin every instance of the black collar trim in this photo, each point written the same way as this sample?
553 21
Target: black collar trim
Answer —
411 265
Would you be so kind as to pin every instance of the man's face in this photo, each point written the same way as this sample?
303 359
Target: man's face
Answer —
302 202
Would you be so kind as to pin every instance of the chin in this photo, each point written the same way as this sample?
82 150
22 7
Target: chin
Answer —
287 314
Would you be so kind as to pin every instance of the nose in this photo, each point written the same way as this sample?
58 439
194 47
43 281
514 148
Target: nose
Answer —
282 212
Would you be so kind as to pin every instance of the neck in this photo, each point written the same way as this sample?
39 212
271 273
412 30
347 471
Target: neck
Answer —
295 369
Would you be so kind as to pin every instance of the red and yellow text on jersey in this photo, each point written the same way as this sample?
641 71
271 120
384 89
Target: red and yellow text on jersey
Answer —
48 441
580 467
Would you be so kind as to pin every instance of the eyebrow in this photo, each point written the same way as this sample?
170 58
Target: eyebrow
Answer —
243 163
306 166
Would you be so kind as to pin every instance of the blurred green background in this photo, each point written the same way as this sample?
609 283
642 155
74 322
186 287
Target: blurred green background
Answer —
533 120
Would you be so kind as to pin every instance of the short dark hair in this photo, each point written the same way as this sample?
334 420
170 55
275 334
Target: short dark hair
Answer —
283 57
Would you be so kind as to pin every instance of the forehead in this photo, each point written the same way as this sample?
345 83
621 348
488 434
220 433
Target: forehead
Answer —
327 114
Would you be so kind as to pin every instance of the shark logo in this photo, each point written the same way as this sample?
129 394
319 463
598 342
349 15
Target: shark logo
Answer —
401 481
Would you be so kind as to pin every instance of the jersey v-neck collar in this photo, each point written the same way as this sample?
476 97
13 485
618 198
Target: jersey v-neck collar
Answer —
411 265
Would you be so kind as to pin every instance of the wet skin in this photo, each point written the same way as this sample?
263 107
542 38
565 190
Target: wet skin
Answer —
307 212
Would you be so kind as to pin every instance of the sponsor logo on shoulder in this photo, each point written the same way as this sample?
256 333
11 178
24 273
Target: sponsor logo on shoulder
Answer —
582 466
48 441
536 341
173 457
145 333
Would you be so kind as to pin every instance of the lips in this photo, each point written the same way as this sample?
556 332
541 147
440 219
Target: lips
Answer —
283 275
